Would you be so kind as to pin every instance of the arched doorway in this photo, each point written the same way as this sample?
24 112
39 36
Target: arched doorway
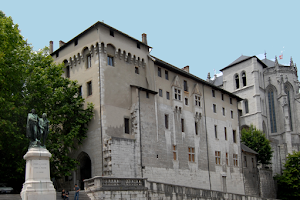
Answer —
85 168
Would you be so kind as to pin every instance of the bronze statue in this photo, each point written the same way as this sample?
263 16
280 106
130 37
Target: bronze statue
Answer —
37 129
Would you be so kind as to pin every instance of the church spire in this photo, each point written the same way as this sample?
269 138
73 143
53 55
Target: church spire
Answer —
291 62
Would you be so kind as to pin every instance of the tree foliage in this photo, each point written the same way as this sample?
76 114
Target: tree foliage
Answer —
256 140
289 182
30 79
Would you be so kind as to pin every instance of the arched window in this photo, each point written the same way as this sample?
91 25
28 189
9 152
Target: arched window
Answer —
287 90
237 81
272 111
246 106
244 79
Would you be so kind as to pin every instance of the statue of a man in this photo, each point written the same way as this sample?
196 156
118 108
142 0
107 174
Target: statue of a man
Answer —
32 131
44 128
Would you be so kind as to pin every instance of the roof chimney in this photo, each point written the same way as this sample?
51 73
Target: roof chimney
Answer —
144 38
187 69
51 46
61 43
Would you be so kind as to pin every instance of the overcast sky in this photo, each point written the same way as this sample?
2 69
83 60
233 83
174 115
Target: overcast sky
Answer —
206 35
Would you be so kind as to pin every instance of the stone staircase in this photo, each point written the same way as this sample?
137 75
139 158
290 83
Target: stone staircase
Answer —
82 196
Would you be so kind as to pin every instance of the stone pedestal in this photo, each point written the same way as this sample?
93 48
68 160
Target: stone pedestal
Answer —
37 184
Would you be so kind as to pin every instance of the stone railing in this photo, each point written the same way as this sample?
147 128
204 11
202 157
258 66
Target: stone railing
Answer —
111 183
164 190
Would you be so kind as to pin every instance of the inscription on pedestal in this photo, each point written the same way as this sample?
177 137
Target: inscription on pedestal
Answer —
40 169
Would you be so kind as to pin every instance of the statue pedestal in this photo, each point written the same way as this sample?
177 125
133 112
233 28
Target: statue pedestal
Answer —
37 184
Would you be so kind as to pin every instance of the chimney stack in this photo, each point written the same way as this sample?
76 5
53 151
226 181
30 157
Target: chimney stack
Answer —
144 38
51 46
61 43
187 69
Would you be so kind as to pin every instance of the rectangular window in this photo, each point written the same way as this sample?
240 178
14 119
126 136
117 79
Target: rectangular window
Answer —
147 95
167 75
231 113
89 88
222 96
159 71
136 70
174 152
76 42
80 91
68 71
168 95
226 158
223 111
196 128
110 60
213 93
111 33
167 121
225 132
89 61
138 45
253 164
197 101
235 160
218 157
234 136
215 108
216 131
160 92
185 86
186 101
57 54
245 161
177 94
191 154
182 125
126 125
230 99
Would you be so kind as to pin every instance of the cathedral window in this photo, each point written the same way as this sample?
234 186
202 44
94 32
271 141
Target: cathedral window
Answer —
272 111
246 106
237 81
244 79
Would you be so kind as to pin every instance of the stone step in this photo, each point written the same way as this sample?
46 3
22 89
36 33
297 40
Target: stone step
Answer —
82 196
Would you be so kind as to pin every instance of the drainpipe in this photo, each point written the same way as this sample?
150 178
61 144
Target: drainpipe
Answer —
100 118
140 126
206 137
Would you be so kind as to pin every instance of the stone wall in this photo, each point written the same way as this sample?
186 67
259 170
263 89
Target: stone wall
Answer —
267 184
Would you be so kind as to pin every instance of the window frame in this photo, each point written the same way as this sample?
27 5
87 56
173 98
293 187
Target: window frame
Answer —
126 125
89 88
177 94
158 71
235 160
166 121
214 108
160 92
191 154
110 60
166 75
218 157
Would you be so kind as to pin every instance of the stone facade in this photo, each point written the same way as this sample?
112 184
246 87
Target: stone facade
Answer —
271 101
152 120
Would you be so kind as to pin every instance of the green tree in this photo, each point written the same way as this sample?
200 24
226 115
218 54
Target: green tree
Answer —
256 140
289 182
29 80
